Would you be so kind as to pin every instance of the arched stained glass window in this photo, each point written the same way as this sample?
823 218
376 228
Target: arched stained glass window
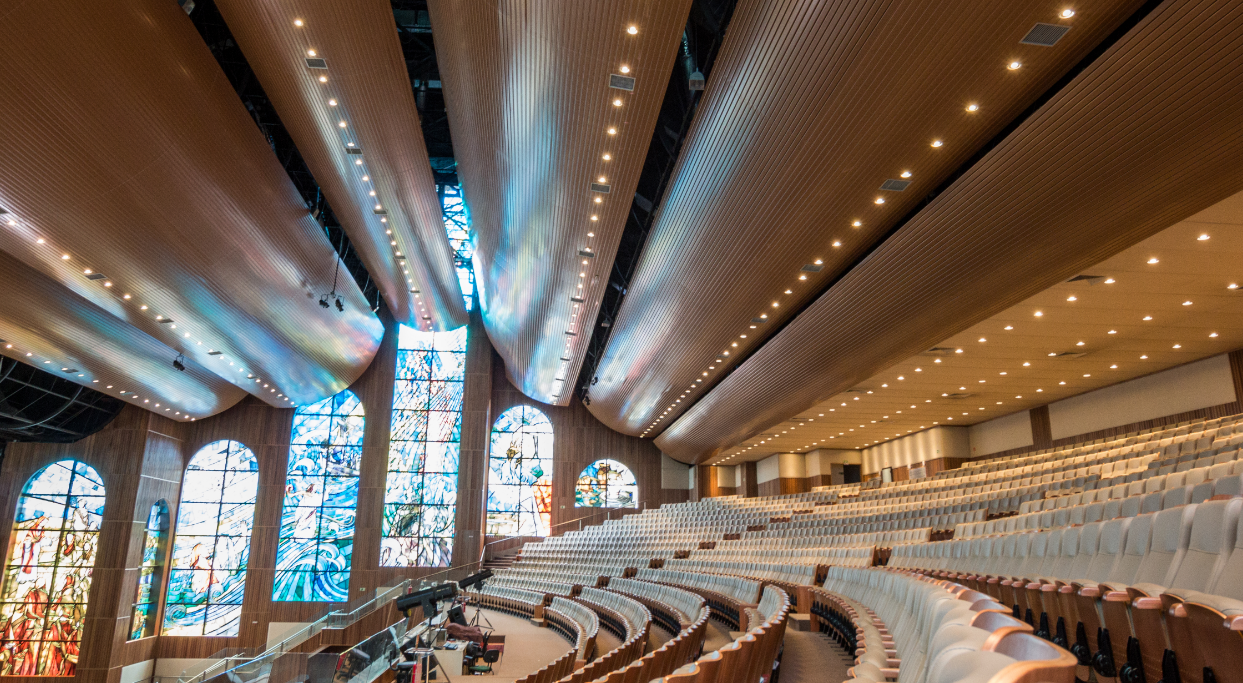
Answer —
606 484
420 500
150 576
212 542
48 573
520 474
321 496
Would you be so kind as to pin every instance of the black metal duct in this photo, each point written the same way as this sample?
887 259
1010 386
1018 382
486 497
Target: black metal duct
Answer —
39 406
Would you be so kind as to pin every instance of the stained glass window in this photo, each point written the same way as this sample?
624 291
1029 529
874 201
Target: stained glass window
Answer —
520 474
606 484
457 228
48 574
321 494
154 545
212 542
420 500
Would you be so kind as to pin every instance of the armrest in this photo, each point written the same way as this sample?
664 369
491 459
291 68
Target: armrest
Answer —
1090 591
1117 596
1147 603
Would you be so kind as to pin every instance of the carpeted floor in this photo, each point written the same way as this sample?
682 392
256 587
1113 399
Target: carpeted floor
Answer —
527 648
809 657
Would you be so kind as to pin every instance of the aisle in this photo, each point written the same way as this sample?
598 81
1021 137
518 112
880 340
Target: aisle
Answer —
811 657
527 647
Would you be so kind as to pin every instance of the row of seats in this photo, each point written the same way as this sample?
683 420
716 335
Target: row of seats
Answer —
743 591
751 656
562 667
683 604
683 648
636 617
935 634
637 624
578 622
1103 585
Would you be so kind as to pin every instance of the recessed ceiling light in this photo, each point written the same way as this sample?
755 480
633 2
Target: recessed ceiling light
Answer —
1110 281
1212 334
1232 285
775 304
1153 260
1178 346
64 257
880 200
1068 13
617 102
1009 327
1072 298
1144 357
906 174
957 350
323 79
625 69
1038 313
857 223
837 243
1148 317
1113 332
612 131
310 53
1061 382
1202 237
973 107
632 29
982 340
1186 303
937 143
1079 344
1014 65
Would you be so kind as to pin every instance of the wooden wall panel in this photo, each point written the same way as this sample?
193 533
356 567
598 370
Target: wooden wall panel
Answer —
1042 427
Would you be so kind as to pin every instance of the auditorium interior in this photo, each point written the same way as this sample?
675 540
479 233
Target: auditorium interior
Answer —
397 341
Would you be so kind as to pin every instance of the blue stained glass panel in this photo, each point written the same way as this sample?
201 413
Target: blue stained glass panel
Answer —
606 484
151 573
321 494
48 573
520 468
424 444
211 543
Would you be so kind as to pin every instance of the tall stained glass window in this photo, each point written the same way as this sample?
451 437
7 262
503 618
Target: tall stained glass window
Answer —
48 573
421 497
606 484
321 495
212 542
154 546
457 228
520 474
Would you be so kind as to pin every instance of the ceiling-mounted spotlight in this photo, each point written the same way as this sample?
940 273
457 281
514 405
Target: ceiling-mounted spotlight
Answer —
323 301
178 365
340 306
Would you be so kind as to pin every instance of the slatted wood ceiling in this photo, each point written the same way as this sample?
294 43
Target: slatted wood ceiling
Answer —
810 108
125 147
111 355
1144 137
526 88
367 79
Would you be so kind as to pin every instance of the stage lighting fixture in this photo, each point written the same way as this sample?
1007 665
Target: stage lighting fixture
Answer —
323 301
181 367
340 306
474 579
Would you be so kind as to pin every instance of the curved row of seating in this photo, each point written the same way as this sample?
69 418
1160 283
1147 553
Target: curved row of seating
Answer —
942 632
560 668
637 623
510 600
577 623
742 591
635 616
751 656
1169 580
540 585
684 604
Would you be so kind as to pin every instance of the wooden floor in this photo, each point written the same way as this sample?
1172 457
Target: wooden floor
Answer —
527 646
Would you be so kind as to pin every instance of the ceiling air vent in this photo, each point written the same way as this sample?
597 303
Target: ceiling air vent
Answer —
69 370
316 63
3 210
759 320
600 187
812 268
586 253
940 351
1089 279
960 396
96 276
214 353
353 150
578 300
379 212
165 321
895 185
1045 35
572 334
1070 355
621 82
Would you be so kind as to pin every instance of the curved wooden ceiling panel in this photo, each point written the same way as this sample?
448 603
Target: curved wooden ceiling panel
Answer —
1145 136
127 156
44 325
365 85
526 85
811 107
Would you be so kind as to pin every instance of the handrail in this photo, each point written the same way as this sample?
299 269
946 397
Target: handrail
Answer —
335 619
576 524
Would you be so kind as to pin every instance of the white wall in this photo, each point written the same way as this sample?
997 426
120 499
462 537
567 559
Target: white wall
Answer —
727 476
767 469
676 475
781 465
1185 388
133 673
938 442
1001 434
821 460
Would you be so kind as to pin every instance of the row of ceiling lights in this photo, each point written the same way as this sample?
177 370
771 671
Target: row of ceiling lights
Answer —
587 253
1203 237
181 338
816 265
335 105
